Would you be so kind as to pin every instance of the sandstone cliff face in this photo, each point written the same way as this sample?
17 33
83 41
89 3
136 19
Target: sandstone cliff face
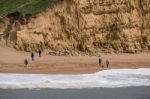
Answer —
88 26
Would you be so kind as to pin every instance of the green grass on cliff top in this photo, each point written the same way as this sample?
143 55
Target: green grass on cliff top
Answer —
24 6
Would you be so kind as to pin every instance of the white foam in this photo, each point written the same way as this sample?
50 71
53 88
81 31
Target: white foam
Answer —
108 78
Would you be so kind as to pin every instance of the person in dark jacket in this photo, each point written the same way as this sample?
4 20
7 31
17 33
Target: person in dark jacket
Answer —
32 56
100 62
26 62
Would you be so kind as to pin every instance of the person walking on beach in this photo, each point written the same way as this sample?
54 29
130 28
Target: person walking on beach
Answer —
107 63
40 52
101 64
100 61
26 62
32 56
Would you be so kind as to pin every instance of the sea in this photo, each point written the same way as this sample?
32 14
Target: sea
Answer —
106 84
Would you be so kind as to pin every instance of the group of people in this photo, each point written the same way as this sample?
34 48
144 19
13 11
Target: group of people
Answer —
33 56
103 63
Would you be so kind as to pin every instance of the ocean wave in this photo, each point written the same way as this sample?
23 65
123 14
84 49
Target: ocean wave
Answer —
107 78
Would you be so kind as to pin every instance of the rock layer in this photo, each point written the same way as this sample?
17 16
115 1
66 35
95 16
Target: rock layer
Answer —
83 26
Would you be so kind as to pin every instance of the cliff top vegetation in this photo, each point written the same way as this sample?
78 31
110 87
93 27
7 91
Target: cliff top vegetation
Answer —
24 6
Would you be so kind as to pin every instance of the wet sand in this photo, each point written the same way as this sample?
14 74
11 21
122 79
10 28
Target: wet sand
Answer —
95 93
12 61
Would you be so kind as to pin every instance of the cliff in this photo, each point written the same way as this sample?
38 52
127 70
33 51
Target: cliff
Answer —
81 26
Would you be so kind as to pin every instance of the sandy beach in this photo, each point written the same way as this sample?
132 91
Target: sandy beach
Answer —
12 61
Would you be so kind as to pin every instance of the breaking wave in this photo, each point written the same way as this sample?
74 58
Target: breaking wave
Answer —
107 78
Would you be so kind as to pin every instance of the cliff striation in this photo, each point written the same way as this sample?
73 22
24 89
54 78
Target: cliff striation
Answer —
82 26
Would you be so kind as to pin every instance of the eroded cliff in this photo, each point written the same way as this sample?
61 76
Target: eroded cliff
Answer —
82 26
